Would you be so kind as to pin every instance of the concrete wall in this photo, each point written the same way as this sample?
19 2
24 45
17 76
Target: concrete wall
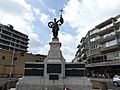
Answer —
38 83
99 85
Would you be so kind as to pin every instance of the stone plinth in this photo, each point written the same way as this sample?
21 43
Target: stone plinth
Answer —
55 54
54 73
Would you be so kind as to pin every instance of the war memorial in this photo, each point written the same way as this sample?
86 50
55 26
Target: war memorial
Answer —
54 73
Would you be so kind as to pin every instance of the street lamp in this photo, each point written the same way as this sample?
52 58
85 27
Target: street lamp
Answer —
12 62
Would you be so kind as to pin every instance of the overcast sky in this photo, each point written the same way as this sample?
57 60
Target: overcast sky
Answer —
31 17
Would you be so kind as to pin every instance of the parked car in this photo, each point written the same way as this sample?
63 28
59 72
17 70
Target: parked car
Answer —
116 80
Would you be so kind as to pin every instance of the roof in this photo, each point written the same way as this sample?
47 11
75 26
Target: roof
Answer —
105 23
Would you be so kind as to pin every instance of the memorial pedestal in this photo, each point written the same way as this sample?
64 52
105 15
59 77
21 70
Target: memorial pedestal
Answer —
54 73
55 54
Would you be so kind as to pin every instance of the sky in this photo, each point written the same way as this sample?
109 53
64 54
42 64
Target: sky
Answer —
31 17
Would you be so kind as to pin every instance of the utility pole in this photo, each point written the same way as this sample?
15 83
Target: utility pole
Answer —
12 62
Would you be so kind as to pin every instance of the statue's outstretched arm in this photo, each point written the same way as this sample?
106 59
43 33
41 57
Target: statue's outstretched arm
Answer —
61 20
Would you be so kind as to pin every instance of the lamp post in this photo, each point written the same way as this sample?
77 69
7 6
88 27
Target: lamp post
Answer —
12 62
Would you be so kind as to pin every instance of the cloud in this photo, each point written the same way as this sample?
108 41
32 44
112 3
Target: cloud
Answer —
68 45
19 14
80 15
44 49
9 7
83 15
72 13
24 15
52 11
44 18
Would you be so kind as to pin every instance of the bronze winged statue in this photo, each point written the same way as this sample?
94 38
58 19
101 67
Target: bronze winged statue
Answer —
55 25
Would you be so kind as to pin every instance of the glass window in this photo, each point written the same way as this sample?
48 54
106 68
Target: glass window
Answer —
111 43
3 57
22 54
93 31
116 54
109 34
93 39
15 58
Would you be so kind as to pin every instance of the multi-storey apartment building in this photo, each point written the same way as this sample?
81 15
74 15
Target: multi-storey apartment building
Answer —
100 48
11 39
13 52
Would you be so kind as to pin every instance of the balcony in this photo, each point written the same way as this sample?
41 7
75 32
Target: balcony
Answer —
17 33
4 44
83 45
105 23
107 38
22 50
79 54
118 33
83 50
79 46
105 31
83 56
93 35
110 49
107 63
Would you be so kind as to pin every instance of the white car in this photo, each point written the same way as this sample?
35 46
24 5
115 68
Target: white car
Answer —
116 80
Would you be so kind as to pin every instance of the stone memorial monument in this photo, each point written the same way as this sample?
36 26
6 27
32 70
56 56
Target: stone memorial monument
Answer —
54 73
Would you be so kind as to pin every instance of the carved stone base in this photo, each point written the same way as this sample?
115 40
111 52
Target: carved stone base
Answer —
54 73
55 54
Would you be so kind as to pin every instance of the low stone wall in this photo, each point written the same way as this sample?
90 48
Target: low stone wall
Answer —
12 83
38 83
99 85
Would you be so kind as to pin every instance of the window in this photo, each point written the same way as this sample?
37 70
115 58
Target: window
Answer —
74 66
116 54
93 39
108 35
34 72
111 43
22 54
15 58
37 60
93 31
53 77
74 72
3 57
53 68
